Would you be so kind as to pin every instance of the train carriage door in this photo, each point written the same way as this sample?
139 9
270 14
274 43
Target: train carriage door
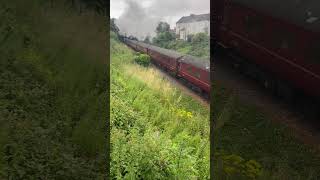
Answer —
178 65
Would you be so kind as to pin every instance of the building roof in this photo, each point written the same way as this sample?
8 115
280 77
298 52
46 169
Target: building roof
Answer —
194 18
303 13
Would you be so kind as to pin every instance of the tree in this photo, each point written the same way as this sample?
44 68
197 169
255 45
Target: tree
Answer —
162 27
113 26
164 35
200 38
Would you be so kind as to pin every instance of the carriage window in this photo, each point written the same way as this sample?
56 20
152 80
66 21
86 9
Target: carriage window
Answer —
189 69
197 74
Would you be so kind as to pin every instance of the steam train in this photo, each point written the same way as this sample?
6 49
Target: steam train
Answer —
276 42
194 71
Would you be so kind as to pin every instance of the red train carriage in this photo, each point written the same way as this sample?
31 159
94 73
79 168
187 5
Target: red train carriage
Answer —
281 37
164 57
196 71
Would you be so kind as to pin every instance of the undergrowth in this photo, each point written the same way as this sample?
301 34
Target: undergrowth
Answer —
242 130
157 132
52 92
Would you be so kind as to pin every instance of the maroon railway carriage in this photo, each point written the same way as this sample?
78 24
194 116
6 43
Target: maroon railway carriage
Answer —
194 70
165 58
281 37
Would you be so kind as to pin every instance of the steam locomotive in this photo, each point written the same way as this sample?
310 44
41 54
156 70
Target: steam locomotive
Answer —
195 71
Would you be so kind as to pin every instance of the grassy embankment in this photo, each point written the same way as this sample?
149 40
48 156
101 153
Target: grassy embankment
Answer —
52 91
244 131
157 132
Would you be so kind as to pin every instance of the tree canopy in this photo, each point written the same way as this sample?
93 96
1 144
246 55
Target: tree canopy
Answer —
113 26
162 27
164 35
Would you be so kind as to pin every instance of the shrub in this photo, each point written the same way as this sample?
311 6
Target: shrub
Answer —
142 59
237 167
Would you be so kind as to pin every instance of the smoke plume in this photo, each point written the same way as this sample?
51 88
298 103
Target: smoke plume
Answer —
141 17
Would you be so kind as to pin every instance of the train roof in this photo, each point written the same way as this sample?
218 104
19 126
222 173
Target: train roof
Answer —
166 52
303 13
198 62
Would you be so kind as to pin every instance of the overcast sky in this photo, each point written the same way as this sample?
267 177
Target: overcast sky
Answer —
140 17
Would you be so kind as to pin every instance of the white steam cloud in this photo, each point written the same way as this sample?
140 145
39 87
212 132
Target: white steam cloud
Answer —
140 17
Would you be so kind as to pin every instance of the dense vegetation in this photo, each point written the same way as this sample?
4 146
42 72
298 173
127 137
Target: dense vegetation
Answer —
197 45
157 132
52 91
246 133
142 59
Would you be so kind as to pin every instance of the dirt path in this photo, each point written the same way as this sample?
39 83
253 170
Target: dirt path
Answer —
182 87
248 91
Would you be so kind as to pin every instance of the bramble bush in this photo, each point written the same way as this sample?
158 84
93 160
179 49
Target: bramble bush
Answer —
142 59
231 165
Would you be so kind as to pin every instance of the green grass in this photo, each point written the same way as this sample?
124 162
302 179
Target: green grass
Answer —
157 132
52 92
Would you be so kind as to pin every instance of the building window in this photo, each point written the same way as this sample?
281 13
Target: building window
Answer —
189 37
